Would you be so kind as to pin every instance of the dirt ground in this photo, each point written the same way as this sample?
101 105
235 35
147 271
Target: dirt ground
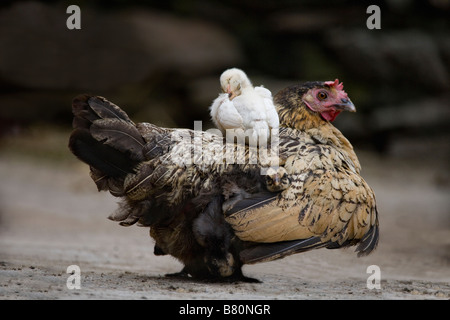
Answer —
53 217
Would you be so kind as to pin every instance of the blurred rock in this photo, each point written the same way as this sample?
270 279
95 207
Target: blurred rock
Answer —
111 49
407 58
414 115
443 42
307 21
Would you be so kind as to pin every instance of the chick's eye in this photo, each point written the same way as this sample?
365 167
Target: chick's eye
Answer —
322 95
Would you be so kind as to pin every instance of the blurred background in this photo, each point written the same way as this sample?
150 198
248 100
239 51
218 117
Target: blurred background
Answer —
161 61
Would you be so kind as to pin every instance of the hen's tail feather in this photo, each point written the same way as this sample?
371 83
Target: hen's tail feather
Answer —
120 135
92 108
104 137
102 157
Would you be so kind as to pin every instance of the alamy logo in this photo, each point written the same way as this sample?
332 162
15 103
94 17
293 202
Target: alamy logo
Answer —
209 148
374 20
374 280
74 280
74 20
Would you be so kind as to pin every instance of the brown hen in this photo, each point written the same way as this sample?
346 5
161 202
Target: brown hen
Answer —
208 202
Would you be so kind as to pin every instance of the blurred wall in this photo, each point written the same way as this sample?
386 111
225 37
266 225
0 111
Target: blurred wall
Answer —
161 61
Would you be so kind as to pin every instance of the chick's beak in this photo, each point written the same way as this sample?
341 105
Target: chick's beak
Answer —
345 105
276 180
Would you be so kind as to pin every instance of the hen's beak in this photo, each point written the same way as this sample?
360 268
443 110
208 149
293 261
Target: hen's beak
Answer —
345 105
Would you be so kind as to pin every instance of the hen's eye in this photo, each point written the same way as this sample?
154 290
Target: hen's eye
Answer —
322 95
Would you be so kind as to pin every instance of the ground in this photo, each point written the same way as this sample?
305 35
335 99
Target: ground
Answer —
53 217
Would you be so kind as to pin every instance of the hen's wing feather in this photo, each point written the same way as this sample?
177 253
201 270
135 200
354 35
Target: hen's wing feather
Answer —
327 200
271 251
252 202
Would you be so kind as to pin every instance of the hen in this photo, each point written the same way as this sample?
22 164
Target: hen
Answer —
246 109
206 201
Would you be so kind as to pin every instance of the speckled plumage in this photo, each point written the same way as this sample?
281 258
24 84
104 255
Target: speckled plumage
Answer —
214 214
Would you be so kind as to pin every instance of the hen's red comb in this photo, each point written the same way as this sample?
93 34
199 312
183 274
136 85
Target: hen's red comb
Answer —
336 84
